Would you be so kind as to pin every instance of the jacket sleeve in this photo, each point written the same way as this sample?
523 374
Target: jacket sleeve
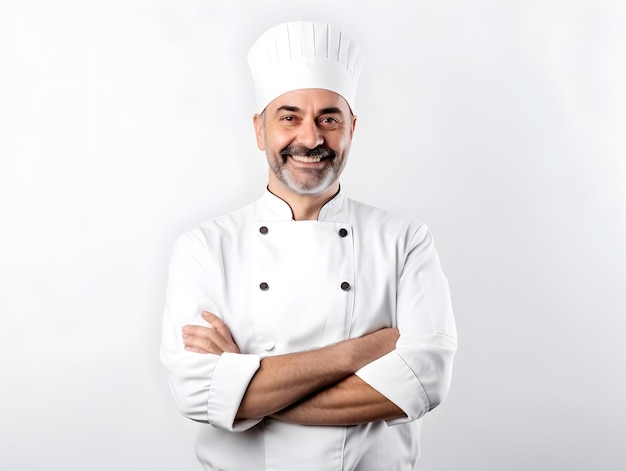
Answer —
416 375
206 388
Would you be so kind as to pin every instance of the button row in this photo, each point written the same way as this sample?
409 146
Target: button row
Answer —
344 286
342 232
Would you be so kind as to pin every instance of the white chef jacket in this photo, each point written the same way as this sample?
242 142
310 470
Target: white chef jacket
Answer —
284 286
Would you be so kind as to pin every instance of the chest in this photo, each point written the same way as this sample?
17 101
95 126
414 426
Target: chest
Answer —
295 286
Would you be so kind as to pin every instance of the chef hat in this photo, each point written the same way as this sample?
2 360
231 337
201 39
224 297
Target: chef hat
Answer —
304 54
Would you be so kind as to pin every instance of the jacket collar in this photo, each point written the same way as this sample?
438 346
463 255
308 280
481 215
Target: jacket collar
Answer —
272 208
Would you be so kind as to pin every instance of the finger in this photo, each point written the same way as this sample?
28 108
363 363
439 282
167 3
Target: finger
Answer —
223 342
220 326
212 319
195 350
205 339
208 339
198 344
199 330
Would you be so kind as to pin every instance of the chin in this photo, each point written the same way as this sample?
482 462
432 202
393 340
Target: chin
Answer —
310 190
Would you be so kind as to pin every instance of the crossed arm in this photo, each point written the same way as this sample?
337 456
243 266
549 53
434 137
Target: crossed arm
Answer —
316 387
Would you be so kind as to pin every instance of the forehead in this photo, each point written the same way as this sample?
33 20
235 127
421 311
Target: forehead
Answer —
310 99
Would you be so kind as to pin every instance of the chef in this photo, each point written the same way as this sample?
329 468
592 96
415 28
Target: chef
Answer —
307 331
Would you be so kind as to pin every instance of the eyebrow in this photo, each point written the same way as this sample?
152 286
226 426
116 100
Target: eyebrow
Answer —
331 110
295 109
292 109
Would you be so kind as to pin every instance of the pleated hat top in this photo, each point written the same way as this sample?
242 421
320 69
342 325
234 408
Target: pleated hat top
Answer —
304 54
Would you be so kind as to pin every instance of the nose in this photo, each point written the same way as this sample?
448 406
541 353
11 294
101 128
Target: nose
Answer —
310 135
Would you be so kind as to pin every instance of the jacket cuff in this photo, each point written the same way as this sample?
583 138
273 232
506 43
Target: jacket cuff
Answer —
229 383
392 377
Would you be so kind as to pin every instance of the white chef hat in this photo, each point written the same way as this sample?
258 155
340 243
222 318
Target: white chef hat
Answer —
304 54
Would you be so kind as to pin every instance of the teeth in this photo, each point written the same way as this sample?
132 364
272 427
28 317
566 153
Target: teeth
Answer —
306 160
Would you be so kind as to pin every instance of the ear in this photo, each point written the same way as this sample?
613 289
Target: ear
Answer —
353 126
259 131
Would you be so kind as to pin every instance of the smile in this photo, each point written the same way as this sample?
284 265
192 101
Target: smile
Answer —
305 159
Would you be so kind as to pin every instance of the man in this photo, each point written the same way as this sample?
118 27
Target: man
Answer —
307 331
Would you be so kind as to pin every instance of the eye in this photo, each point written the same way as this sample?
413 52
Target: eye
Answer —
288 118
329 122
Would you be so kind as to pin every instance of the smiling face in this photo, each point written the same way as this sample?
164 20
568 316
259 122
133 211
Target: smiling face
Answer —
306 135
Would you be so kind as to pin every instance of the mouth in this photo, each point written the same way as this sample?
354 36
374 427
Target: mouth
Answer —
306 159
307 156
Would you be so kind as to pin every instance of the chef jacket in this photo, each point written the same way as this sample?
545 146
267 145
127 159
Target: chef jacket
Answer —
284 286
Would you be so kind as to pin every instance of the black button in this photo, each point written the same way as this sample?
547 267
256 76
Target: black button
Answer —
343 232
345 286
264 286
263 230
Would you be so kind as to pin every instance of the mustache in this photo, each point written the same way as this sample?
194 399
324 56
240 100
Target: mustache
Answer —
319 151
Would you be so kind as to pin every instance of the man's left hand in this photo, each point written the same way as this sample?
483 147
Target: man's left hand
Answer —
215 339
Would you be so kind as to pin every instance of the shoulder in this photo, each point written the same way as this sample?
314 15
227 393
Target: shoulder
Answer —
223 224
392 233
381 220
210 233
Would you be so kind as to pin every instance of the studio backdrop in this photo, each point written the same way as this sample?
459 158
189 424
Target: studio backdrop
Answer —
500 124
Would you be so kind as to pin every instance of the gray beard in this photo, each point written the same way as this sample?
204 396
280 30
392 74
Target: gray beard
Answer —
315 187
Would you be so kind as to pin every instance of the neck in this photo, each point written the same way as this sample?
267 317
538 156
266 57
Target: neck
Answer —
304 207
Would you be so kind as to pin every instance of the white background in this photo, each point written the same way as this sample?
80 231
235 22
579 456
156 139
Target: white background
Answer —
499 123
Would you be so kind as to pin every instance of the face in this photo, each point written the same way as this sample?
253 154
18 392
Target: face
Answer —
306 135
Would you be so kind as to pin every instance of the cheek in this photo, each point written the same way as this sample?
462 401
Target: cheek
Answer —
340 143
278 141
